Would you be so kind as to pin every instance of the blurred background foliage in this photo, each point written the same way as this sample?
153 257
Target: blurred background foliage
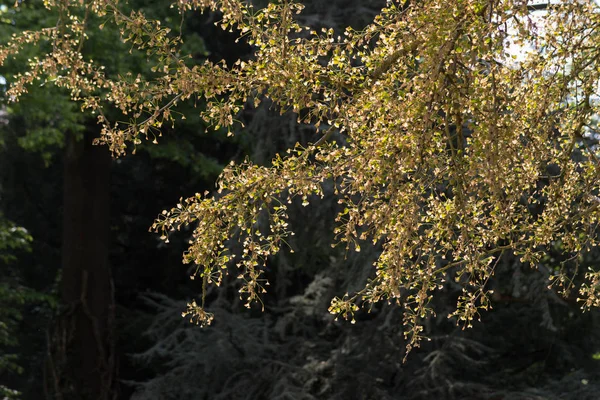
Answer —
531 345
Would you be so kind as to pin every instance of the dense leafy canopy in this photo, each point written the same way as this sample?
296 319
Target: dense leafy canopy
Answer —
450 149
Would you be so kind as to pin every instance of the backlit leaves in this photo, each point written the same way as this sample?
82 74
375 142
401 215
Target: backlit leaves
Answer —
458 146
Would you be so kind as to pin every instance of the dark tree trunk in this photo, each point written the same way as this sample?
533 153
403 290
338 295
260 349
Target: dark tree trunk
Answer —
81 361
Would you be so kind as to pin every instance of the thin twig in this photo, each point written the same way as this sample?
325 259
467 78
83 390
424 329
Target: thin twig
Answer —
325 136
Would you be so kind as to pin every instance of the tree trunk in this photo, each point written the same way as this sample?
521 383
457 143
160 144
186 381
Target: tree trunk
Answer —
81 362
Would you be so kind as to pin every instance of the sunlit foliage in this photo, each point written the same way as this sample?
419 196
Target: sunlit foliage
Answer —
453 151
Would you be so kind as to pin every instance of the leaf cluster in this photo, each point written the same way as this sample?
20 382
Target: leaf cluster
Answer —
454 152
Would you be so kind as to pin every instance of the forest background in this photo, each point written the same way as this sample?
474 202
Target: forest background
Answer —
532 344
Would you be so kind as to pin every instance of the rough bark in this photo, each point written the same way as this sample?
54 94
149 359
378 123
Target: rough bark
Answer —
81 361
